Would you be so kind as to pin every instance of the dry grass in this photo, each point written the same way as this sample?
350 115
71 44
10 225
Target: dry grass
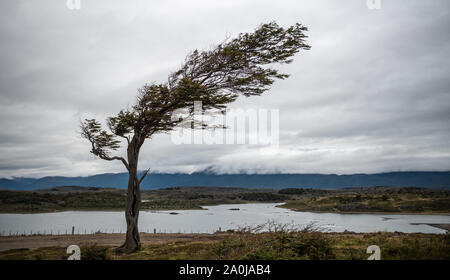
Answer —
282 243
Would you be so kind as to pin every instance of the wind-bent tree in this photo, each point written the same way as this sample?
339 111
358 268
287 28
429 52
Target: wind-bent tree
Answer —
241 66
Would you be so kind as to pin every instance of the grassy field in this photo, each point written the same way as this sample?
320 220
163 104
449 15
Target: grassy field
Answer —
360 200
282 245
371 200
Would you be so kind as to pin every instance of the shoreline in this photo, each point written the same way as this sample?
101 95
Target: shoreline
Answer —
202 208
445 227
367 212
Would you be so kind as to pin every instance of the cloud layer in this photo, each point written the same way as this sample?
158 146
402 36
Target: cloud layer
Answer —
372 95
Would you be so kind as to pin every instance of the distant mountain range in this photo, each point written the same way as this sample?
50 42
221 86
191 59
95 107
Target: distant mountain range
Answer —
276 181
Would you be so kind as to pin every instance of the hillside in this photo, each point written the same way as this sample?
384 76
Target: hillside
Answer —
276 181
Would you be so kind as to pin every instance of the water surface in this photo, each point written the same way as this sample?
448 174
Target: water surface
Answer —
209 220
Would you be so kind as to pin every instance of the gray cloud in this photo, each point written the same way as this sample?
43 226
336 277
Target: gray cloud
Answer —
372 94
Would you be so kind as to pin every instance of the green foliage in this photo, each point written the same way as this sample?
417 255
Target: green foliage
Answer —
91 129
102 142
122 124
237 66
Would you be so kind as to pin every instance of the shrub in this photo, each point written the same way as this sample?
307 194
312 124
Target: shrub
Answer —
95 253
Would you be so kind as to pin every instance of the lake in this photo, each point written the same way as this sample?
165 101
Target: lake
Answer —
209 220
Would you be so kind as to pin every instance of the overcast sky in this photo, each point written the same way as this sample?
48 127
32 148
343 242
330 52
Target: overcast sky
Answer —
372 95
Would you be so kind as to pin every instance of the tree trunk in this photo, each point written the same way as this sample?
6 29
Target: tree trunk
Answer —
132 242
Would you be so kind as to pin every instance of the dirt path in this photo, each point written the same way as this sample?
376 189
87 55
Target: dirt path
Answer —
103 239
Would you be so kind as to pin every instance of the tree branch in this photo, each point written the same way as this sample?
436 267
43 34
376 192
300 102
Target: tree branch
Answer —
108 158
143 175
127 137
115 158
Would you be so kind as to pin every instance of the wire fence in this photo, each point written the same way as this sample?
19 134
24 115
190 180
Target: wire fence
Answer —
78 231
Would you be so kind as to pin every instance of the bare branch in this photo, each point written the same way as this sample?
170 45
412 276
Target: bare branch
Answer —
143 175
115 158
